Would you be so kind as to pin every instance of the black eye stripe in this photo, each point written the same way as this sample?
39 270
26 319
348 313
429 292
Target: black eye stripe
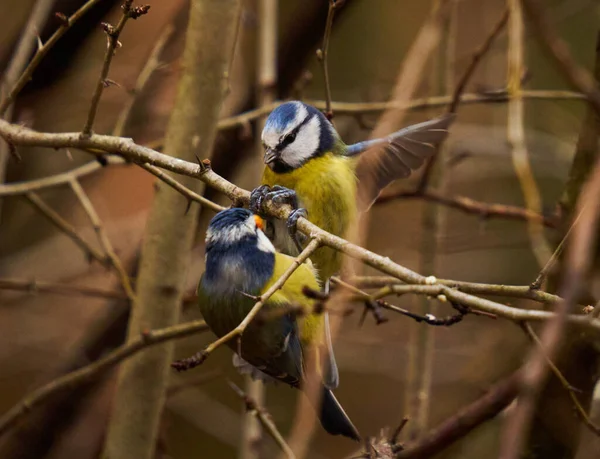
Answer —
288 139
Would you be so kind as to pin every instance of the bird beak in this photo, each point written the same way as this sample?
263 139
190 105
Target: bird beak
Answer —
270 155
260 223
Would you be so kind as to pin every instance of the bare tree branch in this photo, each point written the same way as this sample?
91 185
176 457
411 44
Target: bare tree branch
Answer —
145 339
66 23
265 419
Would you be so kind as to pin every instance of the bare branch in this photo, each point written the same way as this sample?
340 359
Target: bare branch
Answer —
498 397
470 206
559 51
115 261
265 419
88 373
65 227
322 55
580 410
152 64
65 25
458 91
516 133
112 36
29 37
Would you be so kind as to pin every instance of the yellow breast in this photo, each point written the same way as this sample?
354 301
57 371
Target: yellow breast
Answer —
326 188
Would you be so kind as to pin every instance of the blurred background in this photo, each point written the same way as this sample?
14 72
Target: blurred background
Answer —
44 335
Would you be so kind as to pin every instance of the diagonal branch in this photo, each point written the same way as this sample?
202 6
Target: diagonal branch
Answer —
265 419
115 261
66 23
65 227
580 410
90 372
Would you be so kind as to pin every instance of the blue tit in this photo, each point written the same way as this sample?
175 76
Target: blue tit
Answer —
242 263
309 166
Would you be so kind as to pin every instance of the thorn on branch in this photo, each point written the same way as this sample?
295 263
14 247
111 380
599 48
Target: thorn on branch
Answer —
108 82
204 165
62 18
109 29
398 430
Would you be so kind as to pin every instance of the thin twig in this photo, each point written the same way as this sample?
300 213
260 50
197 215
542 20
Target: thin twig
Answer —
65 227
63 178
322 56
498 397
580 410
460 88
151 65
366 108
112 36
265 419
34 286
541 277
516 133
42 51
579 77
28 40
470 206
200 357
90 372
429 319
115 261
191 195
515 291
475 59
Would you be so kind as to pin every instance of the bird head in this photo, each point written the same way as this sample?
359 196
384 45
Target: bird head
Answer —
239 257
233 227
293 134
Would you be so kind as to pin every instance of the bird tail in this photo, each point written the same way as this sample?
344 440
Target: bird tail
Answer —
334 419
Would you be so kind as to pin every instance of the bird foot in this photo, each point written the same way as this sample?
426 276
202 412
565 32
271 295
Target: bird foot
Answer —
292 228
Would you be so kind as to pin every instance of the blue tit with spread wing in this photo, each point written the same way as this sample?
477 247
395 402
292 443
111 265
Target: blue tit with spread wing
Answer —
241 264
309 167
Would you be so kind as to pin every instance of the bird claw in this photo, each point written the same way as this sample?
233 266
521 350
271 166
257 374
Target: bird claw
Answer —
257 198
277 194
282 195
292 228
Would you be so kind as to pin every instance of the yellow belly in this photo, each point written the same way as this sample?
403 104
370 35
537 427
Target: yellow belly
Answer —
326 188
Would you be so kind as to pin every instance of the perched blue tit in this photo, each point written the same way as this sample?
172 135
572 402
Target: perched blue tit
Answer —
310 167
241 264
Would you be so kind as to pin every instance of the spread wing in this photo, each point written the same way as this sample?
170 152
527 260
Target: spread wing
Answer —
396 156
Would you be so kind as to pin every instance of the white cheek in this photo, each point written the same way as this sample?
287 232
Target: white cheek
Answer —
226 237
305 145
264 244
